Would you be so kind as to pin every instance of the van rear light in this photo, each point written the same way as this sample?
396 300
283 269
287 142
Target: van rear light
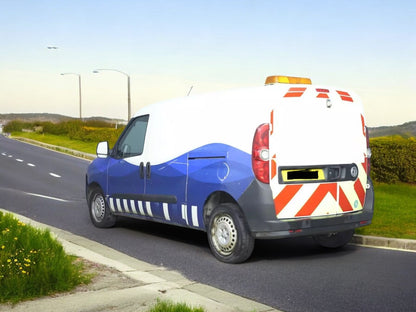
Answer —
367 136
260 153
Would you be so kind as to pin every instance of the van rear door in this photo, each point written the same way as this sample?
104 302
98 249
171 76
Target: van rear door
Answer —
318 152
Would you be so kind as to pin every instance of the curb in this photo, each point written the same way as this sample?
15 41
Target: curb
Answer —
385 242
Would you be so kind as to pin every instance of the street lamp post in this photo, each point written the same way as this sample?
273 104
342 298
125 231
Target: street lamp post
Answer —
79 89
128 88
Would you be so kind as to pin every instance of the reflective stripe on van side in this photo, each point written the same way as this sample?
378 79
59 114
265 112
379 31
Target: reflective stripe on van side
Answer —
157 210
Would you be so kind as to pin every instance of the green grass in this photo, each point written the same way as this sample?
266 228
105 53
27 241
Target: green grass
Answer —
394 212
33 263
58 140
167 306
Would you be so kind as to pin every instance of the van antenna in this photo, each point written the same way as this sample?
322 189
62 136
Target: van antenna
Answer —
190 90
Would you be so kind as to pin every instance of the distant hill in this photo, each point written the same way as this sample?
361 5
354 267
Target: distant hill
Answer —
34 117
55 118
405 130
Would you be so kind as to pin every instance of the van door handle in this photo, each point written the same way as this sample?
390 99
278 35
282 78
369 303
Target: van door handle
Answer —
148 170
141 170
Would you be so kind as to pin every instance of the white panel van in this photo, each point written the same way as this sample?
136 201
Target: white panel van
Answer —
285 159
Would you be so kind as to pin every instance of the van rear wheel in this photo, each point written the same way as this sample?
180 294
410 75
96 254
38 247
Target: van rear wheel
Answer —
100 214
334 240
228 235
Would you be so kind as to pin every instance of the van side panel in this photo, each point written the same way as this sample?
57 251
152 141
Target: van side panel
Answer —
124 177
167 182
176 191
97 173
217 168
213 135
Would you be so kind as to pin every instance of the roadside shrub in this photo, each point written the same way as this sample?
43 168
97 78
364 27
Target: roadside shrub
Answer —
54 128
90 134
393 159
86 131
74 129
17 126
99 124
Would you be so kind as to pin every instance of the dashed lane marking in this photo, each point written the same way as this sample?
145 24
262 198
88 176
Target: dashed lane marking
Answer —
48 197
30 165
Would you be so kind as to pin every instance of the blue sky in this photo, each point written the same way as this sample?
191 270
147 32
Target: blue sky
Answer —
168 46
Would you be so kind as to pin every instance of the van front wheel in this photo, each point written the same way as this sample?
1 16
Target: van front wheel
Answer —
334 240
100 214
228 234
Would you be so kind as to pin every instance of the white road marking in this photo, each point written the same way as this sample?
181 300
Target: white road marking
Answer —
31 165
54 175
19 160
47 197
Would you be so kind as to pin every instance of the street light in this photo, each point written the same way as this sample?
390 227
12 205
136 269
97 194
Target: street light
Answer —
79 88
128 89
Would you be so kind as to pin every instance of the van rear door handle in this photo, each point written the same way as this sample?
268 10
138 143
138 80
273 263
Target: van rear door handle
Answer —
141 170
148 170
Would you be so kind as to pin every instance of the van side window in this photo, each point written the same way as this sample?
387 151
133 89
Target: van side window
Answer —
132 141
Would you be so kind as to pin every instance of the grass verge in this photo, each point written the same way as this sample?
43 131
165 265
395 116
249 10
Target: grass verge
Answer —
33 263
59 140
167 306
394 212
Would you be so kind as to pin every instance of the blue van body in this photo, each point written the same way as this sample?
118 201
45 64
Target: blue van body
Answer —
186 181
231 164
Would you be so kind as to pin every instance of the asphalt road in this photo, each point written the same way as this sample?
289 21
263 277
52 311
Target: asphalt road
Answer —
291 275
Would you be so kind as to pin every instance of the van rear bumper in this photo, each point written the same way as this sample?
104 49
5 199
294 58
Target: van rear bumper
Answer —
258 207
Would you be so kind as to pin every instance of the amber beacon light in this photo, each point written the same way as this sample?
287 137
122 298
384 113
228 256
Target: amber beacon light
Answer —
287 79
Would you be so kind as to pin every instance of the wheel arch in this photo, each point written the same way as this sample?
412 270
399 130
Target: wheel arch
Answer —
215 199
89 188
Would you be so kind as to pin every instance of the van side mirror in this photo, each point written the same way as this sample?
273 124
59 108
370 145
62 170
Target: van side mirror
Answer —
102 150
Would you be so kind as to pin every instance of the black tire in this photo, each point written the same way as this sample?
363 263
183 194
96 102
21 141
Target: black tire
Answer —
334 240
100 214
228 235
